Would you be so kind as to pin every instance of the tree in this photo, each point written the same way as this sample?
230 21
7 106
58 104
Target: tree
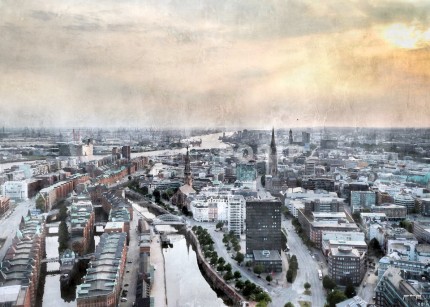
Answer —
258 269
237 275
165 196
220 267
63 237
156 195
40 203
221 260
145 190
335 297
219 225
328 283
63 213
228 276
290 275
269 278
239 257
307 286
289 304
350 291
225 239
263 180
239 284
236 248
214 259
227 267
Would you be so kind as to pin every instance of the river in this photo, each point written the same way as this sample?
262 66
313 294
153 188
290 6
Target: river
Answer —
183 277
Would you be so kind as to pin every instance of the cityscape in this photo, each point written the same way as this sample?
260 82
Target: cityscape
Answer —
214 153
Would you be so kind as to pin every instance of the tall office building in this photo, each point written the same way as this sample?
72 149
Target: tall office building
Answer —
263 225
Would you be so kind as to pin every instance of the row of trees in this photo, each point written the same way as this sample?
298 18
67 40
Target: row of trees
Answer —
335 295
292 269
301 233
248 289
231 241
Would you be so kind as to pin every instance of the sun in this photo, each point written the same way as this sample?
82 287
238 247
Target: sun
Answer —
406 37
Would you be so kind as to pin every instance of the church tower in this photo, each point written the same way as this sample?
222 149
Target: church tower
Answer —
290 138
188 178
273 158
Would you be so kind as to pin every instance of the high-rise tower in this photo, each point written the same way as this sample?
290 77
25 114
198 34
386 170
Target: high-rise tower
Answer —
273 158
188 178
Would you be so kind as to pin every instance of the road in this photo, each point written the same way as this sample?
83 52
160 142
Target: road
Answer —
308 269
279 291
10 224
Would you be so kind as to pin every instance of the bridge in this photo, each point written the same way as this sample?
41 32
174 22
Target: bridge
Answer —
57 259
169 219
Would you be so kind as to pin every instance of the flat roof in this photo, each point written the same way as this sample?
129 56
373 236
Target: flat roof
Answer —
9 293
266 255
114 225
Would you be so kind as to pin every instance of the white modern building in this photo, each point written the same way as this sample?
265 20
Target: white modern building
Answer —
15 189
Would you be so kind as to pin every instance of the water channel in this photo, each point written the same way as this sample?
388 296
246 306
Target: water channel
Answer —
185 284
184 281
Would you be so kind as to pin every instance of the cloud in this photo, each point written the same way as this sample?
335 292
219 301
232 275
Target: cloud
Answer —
210 63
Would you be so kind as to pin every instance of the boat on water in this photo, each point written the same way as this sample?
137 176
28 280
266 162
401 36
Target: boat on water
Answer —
68 263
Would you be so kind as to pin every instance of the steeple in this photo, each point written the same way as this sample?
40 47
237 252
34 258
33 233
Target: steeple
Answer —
290 138
273 143
188 179
273 158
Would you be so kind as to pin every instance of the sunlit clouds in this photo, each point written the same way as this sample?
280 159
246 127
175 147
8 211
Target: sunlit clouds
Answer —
199 63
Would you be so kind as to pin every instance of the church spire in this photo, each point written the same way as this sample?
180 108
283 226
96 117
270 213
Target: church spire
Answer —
273 143
187 171
273 158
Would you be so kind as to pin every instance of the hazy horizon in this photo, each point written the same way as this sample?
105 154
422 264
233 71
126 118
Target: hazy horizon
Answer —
227 63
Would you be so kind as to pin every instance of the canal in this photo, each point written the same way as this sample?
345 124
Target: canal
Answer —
51 293
184 281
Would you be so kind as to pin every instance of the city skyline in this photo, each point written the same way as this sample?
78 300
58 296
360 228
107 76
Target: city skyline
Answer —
226 64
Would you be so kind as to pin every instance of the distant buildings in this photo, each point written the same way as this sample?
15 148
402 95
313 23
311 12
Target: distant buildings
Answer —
362 200
263 225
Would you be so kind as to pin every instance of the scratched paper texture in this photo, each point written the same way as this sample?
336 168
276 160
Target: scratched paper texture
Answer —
206 63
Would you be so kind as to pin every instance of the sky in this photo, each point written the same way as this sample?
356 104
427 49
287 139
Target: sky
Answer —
206 63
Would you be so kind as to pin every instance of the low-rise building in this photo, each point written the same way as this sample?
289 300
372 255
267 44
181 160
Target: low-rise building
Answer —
4 205
394 290
102 283
270 260
346 265
392 211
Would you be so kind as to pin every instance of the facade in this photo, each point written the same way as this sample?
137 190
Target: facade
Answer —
425 206
246 172
102 283
405 249
362 200
393 290
263 225
20 268
4 205
269 259
15 189
405 200
422 231
236 214
346 265
82 225
393 212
